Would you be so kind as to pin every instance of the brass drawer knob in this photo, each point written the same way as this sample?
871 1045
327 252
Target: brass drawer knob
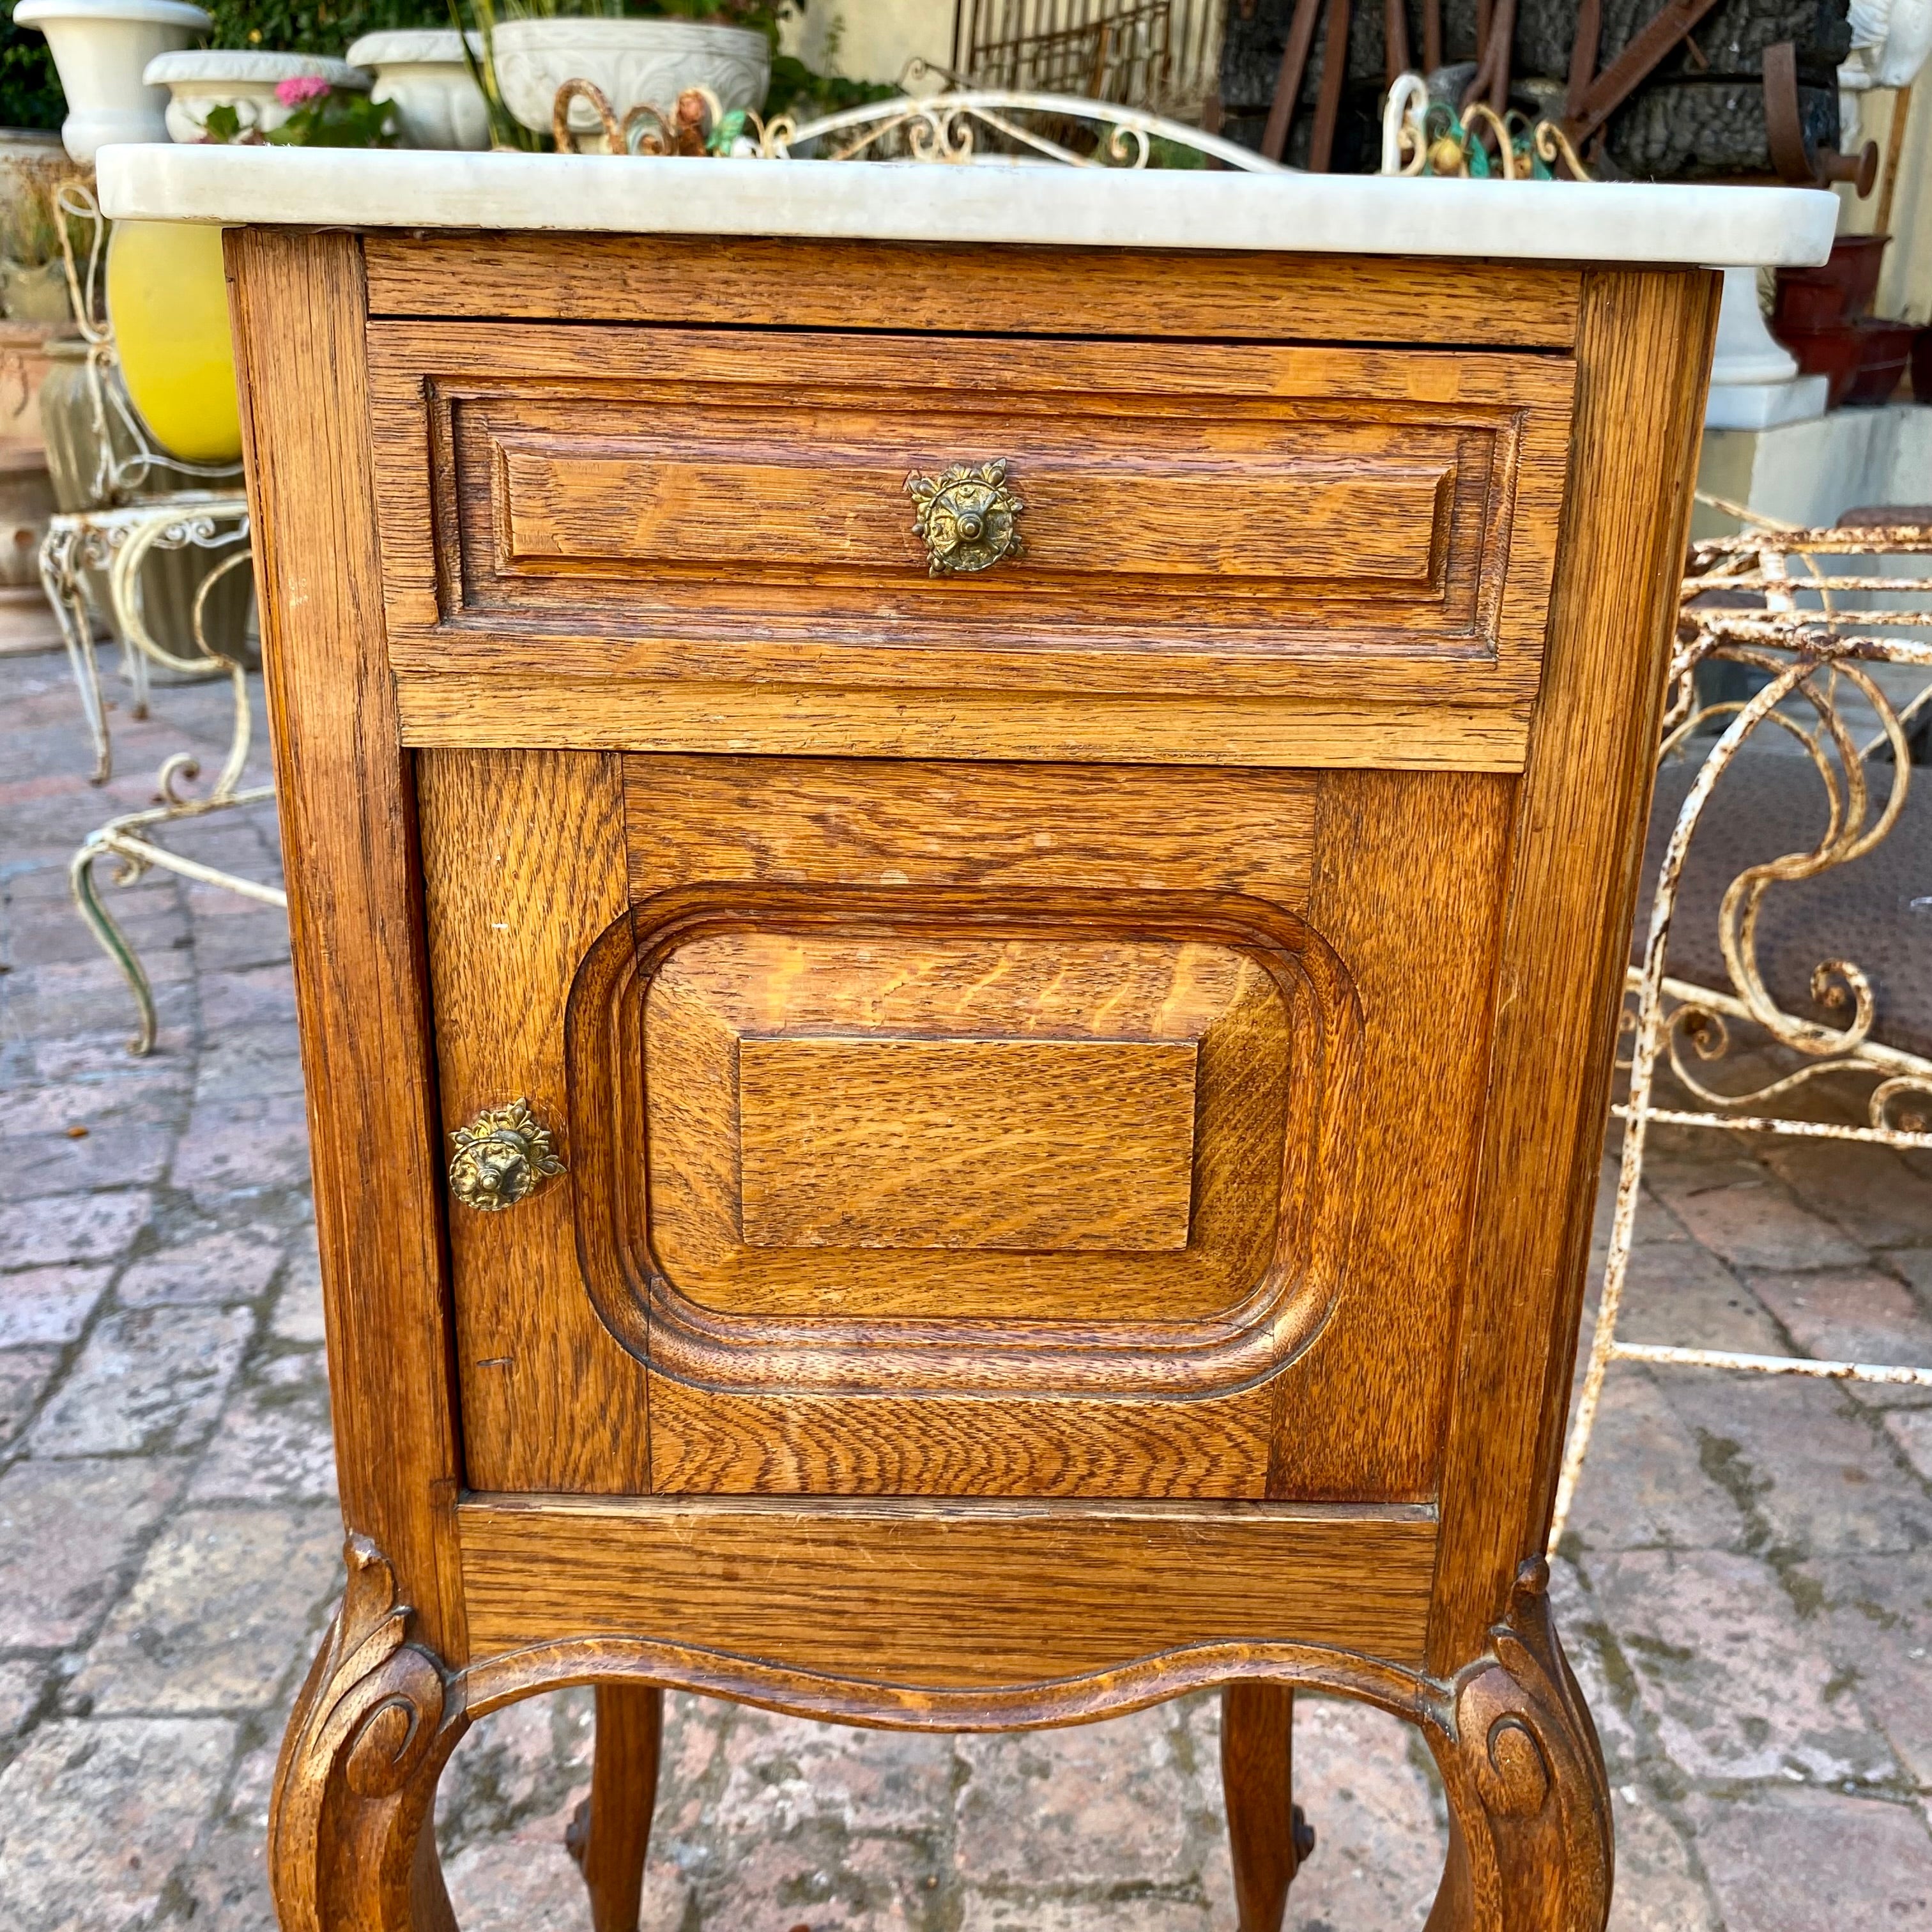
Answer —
502 1157
965 517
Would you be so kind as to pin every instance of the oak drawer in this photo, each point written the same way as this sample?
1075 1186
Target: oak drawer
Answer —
580 508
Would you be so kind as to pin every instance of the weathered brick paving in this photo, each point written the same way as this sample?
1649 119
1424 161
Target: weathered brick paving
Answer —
1750 1602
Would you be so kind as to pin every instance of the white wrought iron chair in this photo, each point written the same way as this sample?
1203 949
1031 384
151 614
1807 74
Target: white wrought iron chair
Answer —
1816 657
125 520
118 537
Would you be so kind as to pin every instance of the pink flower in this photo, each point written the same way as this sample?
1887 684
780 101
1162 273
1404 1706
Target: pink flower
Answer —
301 89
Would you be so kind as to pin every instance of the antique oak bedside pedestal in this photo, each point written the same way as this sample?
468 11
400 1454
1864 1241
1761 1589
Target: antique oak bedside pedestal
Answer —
963 1105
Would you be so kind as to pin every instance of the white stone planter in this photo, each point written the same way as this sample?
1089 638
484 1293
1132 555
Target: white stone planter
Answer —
202 79
1754 379
437 104
101 48
635 62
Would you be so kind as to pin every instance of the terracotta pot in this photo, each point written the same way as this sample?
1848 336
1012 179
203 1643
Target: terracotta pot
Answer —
1884 350
1833 352
1803 305
23 368
1853 272
1922 365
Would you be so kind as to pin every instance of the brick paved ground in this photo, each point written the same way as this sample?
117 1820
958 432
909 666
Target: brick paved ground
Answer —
1750 1602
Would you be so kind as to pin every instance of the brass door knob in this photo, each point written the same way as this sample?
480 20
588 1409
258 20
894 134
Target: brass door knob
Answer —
965 517
502 1157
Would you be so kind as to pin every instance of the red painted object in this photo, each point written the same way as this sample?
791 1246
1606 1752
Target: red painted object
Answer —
1823 317
1833 352
1801 304
1922 365
1852 274
1884 350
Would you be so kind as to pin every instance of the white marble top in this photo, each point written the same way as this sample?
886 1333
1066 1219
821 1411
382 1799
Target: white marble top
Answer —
1066 207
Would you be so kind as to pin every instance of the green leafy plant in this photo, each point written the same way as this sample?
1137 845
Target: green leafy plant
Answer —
479 18
332 117
30 90
324 117
315 26
797 90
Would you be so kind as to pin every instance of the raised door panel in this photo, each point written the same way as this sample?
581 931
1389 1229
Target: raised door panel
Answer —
963 1129
1178 1206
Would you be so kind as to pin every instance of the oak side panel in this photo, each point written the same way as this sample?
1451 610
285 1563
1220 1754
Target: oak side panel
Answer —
945 1594
1644 355
659 715
973 290
1408 889
523 866
349 839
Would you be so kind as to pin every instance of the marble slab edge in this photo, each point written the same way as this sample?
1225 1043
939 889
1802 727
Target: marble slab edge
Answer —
1361 215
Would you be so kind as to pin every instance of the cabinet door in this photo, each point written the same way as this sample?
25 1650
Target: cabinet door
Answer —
939 1128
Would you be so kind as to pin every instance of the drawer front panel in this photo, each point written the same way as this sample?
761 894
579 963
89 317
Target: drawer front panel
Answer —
567 507
1097 517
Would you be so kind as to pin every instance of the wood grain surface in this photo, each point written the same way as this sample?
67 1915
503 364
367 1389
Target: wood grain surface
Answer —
661 715
687 1341
965 288
610 1835
560 499
531 525
1080 1089
931 1593
1118 828
349 840
1266 1830
524 865
1030 1144
1575 844
714 1006
1409 887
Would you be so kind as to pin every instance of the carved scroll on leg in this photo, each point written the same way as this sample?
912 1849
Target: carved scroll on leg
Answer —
349 1848
1530 1845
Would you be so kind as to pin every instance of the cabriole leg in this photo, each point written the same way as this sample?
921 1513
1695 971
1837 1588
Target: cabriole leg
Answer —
611 1831
1267 1836
1530 1847
351 1847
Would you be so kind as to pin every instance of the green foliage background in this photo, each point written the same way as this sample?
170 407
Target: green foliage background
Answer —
317 26
30 94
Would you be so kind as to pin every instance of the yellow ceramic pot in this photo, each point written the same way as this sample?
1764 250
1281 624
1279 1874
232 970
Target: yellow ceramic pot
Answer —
168 302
